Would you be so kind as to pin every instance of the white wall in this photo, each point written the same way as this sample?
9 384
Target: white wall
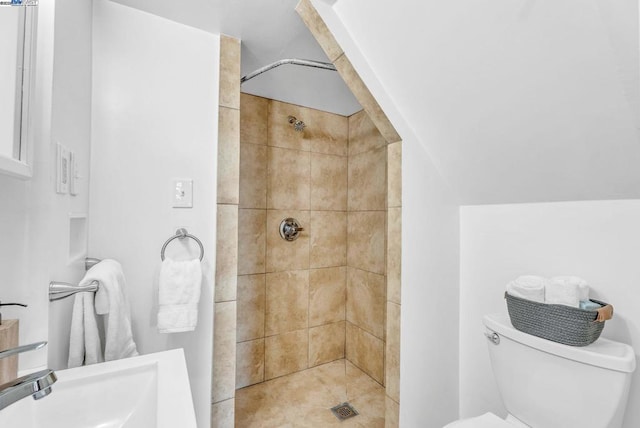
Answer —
71 127
430 270
429 336
34 222
596 240
529 90
155 96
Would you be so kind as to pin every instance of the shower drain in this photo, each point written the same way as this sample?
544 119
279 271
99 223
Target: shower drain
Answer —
344 411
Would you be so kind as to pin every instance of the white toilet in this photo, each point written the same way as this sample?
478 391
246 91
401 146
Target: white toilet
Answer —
544 384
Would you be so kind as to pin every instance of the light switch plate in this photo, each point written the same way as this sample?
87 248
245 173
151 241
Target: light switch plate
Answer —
182 191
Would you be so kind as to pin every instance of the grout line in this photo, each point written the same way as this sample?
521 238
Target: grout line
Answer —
221 106
264 315
337 155
390 398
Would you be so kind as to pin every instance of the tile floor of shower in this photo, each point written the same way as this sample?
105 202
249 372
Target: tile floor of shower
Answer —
304 399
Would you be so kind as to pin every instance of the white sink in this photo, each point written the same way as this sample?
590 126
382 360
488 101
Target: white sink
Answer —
146 391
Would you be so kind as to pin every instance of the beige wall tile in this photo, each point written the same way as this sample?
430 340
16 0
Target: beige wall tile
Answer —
394 254
326 343
229 72
287 255
253 176
319 29
363 134
366 99
223 414
328 234
394 174
226 252
392 352
368 180
324 132
365 352
224 352
251 307
328 182
286 353
254 112
280 132
366 241
249 363
359 383
228 155
391 414
327 295
288 179
251 241
287 301
366 301
327 133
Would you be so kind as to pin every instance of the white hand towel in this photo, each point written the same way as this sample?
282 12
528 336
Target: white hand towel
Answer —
583 287
530 287
561 292
84 341
179 294
111 301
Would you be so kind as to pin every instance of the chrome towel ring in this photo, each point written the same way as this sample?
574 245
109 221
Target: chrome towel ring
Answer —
181 234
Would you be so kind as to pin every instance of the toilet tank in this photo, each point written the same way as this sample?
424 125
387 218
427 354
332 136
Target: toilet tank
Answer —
545 384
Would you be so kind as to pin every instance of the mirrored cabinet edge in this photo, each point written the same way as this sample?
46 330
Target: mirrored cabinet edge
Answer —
19 163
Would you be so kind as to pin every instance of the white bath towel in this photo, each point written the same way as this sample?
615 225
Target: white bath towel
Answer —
179 294
562 292
583 286
84 340
530 287
111 301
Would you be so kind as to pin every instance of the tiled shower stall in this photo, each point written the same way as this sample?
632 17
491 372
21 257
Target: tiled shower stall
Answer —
281 307
321 297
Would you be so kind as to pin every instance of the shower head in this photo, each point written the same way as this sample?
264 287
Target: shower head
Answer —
298 125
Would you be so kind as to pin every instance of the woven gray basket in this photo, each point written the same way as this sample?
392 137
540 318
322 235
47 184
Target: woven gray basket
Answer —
560 323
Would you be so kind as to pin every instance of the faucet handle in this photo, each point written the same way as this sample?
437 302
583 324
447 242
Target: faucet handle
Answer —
20 349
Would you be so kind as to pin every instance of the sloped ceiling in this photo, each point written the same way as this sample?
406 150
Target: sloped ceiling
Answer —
270 30
516 100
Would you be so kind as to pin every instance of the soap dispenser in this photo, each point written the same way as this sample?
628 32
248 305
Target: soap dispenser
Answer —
8 340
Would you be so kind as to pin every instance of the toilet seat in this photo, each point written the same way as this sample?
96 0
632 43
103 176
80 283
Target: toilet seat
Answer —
488 420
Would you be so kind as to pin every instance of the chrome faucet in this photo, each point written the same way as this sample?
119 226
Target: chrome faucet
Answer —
36 384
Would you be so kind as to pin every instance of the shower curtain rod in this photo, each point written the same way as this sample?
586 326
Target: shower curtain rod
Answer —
294 61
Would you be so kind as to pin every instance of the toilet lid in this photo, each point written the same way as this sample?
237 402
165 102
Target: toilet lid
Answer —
488 420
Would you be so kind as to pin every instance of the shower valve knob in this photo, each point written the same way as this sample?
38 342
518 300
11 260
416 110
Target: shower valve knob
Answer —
290 229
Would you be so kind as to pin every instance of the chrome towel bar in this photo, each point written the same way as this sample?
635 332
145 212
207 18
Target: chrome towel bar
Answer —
60 290
90 262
